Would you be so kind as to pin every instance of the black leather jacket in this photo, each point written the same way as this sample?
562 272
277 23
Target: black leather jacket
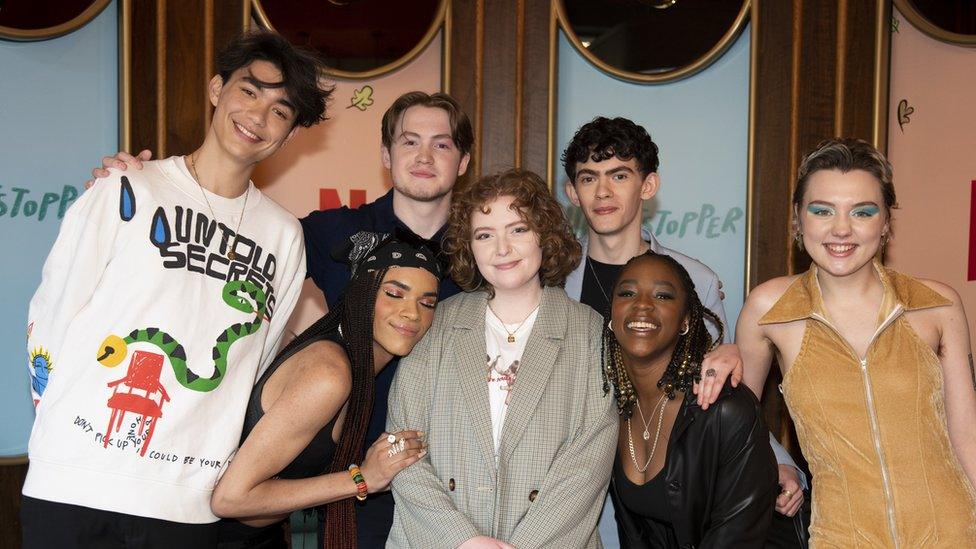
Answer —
721 479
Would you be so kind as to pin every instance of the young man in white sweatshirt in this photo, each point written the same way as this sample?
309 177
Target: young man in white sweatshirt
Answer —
165 294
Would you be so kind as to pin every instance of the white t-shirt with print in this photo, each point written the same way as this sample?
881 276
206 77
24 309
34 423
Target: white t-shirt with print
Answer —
502 364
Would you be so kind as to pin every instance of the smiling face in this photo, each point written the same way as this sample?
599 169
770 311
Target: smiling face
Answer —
611 193
649 308
505 248
842 219
423 161
252 116
404 310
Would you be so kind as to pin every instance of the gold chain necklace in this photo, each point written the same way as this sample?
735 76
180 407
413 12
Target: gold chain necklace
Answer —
657 435
231 254
511 335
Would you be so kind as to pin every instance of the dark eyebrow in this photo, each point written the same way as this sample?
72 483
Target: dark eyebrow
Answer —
261 85
656 282
398 284
618 169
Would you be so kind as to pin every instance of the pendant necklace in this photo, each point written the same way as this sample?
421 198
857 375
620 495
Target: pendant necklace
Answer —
657 435
231 254
606 297
511 334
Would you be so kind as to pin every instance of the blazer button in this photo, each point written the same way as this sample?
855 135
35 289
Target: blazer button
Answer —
450 485
674 485
533 494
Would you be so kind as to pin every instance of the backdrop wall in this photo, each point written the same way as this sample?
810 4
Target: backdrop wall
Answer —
930 144
59 117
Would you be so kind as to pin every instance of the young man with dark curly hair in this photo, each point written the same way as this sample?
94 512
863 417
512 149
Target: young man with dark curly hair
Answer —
611 165
165 294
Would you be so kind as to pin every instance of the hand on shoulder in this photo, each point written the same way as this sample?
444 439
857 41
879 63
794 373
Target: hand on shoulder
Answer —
121 161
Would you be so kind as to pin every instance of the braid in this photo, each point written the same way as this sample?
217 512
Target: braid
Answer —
356 311
683 371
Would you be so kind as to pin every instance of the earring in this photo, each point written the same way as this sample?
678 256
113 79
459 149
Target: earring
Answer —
798 239
684 330
884 239
610 325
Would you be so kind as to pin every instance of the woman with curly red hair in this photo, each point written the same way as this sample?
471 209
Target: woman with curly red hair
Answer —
506 385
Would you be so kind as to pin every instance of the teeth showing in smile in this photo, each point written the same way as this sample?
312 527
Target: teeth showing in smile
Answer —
642 326
840 248
243 130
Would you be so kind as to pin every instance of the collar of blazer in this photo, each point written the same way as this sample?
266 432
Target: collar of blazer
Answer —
538 360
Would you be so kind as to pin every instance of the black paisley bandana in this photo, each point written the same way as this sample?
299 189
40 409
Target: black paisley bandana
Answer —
374 251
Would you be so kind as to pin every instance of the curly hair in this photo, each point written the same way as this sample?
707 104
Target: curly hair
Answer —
536 206
682 372
604 138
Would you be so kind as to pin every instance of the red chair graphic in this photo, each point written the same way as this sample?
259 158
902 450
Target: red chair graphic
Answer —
143 375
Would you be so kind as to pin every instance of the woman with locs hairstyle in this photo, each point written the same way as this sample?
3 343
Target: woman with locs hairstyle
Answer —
877 367
507 386
683 476
308 412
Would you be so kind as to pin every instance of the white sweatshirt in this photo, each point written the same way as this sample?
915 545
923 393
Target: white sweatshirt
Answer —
140 257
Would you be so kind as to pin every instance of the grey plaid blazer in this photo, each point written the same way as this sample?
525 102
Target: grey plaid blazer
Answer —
557 444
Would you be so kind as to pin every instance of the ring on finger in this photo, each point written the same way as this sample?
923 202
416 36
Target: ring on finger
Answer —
787 493
391 438
710 372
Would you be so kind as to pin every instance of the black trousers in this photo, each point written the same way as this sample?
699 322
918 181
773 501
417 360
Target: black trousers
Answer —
47 524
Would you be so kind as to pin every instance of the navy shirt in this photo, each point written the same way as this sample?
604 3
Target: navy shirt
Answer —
324 232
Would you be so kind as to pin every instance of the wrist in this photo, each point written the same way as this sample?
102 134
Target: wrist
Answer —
357 477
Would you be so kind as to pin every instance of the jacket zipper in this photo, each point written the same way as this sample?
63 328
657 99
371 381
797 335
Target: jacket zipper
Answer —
872 412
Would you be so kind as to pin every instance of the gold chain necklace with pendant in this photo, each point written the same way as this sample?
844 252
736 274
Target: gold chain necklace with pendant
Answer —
231 254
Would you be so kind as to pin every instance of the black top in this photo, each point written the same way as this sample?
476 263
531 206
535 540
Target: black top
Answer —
648 500
312 461
720 480
324 231
315 459
597 291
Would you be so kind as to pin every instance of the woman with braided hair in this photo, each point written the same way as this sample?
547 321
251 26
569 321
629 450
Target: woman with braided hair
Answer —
308 413
683 476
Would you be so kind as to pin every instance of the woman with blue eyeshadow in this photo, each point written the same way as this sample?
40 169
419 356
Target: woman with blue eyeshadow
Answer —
877 367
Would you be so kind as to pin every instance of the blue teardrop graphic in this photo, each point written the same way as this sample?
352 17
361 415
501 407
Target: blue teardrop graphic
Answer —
127 201
159 233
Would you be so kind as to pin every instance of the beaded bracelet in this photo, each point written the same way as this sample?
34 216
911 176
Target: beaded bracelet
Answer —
357 477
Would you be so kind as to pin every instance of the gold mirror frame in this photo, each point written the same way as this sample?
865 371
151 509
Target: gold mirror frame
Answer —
440 19
30 35
660 78
920 22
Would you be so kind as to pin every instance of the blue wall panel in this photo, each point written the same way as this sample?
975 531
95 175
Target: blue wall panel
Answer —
59 115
